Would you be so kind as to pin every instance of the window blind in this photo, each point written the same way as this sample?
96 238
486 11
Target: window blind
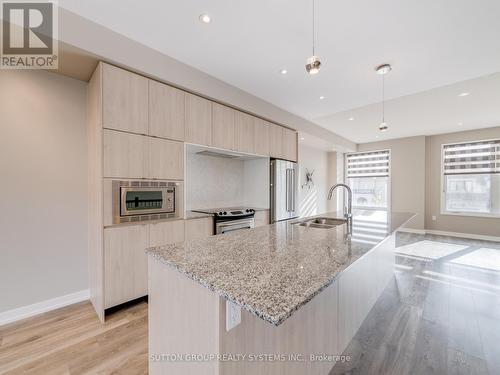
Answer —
368 164
472 158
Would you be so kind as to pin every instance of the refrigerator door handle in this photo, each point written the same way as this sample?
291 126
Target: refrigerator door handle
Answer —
287 189
292 181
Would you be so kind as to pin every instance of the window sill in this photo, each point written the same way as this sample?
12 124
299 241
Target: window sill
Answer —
470 214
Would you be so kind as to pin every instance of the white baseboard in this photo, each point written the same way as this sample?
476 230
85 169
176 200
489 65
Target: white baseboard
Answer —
464 235
44 306
450 234
411 230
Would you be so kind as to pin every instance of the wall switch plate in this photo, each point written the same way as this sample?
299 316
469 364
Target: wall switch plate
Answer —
233 315
433 218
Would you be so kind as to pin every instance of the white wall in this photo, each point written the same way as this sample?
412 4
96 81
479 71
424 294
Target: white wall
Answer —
313 201
213 182
43 164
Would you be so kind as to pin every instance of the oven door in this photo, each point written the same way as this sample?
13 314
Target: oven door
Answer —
233 225
146 200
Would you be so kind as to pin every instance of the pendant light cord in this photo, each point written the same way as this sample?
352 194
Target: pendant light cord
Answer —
314 27
383 98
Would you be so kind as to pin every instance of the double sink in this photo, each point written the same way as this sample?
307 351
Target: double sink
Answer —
320 222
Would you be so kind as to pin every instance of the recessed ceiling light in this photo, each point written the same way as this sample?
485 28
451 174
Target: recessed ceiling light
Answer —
301 138
377 136
460 123
205 18
351 118
464 94
283 71
322 97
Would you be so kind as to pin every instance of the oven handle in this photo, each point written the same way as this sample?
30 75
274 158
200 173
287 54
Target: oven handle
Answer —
234 225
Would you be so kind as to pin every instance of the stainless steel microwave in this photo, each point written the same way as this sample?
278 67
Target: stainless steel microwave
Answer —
139 200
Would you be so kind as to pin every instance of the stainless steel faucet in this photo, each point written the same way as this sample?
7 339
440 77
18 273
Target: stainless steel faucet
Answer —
348 214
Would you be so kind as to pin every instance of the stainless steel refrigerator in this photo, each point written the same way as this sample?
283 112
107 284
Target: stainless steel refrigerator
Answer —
284 198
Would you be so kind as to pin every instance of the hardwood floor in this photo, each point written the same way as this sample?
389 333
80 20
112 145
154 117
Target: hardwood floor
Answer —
439 315
72 340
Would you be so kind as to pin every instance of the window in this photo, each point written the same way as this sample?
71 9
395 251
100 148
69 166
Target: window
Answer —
368 176
471 178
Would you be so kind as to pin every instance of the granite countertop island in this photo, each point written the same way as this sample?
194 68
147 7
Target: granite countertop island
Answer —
273 270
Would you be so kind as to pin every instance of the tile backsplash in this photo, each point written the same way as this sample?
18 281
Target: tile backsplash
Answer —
213 182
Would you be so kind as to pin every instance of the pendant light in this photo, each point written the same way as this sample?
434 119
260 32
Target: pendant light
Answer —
313 63
383 70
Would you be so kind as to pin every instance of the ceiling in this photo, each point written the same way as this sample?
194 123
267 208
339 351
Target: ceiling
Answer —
429 43
435 111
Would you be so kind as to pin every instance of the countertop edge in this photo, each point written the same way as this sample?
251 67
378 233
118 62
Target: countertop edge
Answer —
255 312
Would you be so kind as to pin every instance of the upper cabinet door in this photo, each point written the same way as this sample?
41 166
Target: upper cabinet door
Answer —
244 132
261 137
222 126
198 126
166 111
125 155
166 159
276 141
289 144
125 100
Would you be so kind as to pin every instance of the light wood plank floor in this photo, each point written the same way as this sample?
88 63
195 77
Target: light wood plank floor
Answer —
438 316
72 340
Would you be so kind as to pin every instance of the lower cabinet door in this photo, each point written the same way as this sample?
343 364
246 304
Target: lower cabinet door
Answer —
125 263
166 232
199 228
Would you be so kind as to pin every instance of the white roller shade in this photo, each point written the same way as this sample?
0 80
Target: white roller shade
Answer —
368 164
472 158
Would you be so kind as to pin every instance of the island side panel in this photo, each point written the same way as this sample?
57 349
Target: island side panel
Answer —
360 286
183 319
311 330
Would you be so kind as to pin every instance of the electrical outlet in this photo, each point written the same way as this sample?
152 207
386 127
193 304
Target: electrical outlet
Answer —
433 217
233 315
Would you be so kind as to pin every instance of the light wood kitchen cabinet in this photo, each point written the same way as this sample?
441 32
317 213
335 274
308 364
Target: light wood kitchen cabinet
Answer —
166 111
261 218
199 228
261 137
124 100
289 144
166 159
125 263
165 232
244 132
125 155
222 126
275 141
198 120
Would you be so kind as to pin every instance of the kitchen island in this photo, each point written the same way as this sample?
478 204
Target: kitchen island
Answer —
303 292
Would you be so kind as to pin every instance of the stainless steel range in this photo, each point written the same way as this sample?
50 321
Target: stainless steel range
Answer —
230 219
